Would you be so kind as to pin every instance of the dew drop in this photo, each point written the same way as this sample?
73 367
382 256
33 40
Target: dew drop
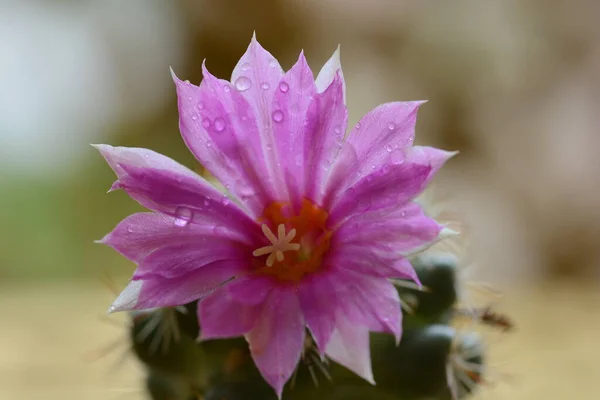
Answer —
246 66
265 85
244 117
226 88
277 115
243 83
273 63
201 106
284 87
389 148
194 117
219 125
358 125
184 216
225 200
206 123
398 156
391 127
337 130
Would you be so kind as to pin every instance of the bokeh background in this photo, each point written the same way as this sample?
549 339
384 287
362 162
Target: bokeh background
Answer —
514 85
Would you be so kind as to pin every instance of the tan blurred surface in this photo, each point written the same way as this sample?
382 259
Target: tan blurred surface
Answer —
52 337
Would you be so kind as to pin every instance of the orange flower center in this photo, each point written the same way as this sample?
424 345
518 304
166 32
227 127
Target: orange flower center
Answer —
298 241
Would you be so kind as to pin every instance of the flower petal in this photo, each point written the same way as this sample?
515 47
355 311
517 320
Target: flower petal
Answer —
323 142
251 289
220 128
141 234
221 316
332 67
369 301
264 73
294 116
277 340
379 138
182 259
403 229
161 184
431 156
158 291
349 346
388 186
318 307
379 261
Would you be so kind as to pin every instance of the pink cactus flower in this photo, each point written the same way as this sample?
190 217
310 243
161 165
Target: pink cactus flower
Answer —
309 223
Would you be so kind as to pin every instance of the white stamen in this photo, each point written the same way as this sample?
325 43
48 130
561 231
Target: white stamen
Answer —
279 244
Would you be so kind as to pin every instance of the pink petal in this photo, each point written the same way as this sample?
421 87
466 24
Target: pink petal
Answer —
431 156
380 137
251 289
384 130
324 140
158 291
403 229
349 346
368 301
277 340
294 116
318 306
390 185
161 184
328 73
221 316
181 259
379 261
264 74
220 127
141 234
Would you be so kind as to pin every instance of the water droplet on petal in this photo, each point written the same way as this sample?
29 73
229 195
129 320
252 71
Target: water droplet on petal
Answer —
389 148
201 106
358 125
194 117
273 63
225 200
206 201
284 87
219 125
265 85
244 117
277 115
184 216
226 88
337 130
243 83
391 127
398 156
206 123
246 66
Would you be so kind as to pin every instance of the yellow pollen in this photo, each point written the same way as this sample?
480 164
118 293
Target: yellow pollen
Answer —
279 244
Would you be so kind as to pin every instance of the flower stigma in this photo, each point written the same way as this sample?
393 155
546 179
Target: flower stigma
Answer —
303 256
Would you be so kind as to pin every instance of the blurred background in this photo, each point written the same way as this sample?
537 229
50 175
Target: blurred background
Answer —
514 85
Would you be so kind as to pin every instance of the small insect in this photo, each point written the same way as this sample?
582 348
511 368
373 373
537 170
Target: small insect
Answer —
487 316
